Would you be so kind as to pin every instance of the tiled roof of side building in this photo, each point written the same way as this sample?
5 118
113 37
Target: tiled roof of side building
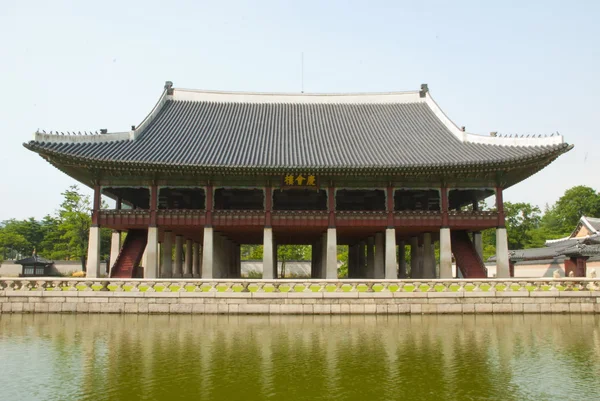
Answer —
389 131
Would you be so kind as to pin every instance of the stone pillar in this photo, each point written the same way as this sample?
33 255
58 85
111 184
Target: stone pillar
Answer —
178 267
391 266
362 263
93 254
313 260
370 257
402 271
478 243
195 259
187 268
275 259
167 255
268 261
502 265
331 267
115 248
207 253
151 267
379 256
414 258
445 253
428 261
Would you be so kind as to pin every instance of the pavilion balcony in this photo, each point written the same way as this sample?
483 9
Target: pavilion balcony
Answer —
301 218
181 217
133 218
472 220
361 218
418 218
236 218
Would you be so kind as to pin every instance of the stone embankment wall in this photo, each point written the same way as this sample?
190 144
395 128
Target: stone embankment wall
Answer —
294 297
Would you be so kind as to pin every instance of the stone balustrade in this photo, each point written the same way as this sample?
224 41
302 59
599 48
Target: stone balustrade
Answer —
243 296
295 285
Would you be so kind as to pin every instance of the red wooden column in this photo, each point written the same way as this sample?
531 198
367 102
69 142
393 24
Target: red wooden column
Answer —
209 205
500 207
268 205
119 203
96 205
331 205
153 204
444 199
390 206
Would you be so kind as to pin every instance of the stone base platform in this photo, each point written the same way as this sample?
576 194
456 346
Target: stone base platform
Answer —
299 297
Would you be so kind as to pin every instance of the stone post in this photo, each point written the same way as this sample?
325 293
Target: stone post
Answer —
478 244
93 254
195 259
207 253
362 263
402 272
414 258
502 264
187 270
428 261
178 267
370 257
268 262
151 267
391 267
379 256
115 248
331 267
445 253
167 255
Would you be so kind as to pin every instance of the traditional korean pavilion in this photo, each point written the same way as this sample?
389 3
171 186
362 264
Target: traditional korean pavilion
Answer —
208 171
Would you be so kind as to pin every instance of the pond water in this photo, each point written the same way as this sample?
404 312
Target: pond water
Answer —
131 357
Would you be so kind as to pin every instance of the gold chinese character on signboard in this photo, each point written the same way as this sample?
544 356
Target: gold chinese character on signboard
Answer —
289 180
300 180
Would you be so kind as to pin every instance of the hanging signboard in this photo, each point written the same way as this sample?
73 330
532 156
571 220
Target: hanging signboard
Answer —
299 180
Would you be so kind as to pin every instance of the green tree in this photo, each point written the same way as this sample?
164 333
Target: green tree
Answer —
578 201
74 223
522 219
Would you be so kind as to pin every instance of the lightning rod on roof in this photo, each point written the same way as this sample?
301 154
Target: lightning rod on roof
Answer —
302 71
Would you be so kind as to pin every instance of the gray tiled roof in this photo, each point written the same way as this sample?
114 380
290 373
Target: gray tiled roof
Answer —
321 136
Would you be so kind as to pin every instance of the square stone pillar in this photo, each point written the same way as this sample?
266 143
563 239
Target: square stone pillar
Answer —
415 264
445 253
478 243
115 248
178 266
166 270
402 270
352 261
93 253
331 268
391 266
428 257
187 267
362 261
315 258
151 267
195 260
323 257
207 253
268 257
379 256
502 265
370 257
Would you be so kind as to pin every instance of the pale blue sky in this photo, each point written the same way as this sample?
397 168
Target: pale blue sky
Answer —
507 66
